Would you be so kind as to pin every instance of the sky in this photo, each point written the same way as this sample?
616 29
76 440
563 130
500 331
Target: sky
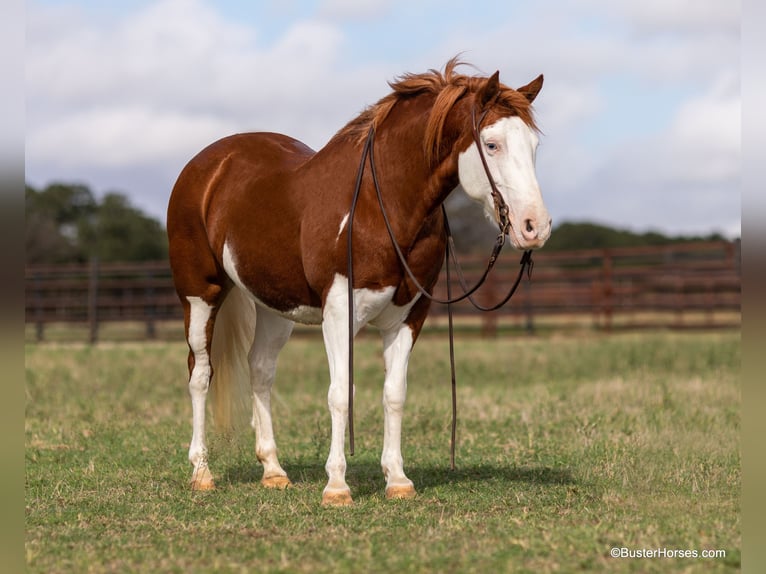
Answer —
640 111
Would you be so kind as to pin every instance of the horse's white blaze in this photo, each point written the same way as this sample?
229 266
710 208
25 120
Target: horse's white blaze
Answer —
200 376
300 314
510 146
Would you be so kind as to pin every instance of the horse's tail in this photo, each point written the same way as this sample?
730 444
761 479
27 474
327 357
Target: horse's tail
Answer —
230 390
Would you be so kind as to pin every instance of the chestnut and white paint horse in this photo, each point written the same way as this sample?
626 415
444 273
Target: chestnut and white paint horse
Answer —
257 225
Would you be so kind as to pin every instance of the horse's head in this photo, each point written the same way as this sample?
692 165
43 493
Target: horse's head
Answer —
509 140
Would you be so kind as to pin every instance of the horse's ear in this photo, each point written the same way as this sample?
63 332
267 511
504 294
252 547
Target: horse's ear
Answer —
531 90
489 90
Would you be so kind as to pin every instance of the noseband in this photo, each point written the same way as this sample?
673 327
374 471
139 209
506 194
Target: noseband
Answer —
502 213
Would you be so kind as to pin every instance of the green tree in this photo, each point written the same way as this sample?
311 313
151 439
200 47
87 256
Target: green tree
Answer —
587 235
55 217
65 223
124 233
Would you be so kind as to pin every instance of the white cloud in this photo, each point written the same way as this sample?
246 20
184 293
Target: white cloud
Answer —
146 91
705 136
353 9
122 137
676 16
174 64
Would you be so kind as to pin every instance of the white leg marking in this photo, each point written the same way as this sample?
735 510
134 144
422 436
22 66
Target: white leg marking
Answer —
397 344
367 305
335 332
199 381
271 334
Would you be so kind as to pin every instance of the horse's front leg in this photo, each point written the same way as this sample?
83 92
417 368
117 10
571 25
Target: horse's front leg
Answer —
335 332
397 344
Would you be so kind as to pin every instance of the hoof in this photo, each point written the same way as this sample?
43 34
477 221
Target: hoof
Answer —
337 498
202 479
277 482
404 491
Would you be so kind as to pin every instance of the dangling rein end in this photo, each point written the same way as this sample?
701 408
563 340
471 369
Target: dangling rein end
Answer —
526 261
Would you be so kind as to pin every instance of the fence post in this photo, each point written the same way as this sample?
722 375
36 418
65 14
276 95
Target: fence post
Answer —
606 302
93 299
529 308
149 310
39 324
488 297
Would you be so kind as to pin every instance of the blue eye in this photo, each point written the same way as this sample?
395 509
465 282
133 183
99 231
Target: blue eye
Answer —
491 146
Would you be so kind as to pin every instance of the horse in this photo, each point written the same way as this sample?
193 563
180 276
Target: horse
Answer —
258 229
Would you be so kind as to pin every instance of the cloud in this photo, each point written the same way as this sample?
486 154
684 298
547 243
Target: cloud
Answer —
642 98
693 16
353 9
121 137
175 72
683 179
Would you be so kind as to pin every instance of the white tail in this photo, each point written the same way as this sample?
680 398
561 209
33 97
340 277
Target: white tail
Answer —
230 389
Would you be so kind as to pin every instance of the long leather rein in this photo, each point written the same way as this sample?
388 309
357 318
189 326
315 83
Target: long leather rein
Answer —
503 216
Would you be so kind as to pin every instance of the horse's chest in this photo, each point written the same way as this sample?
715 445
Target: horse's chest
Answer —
373 306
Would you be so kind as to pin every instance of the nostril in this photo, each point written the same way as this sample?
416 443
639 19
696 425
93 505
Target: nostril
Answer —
529 229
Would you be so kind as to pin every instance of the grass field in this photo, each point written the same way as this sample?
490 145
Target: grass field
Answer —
567 447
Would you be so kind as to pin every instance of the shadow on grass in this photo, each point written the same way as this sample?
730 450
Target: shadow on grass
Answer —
366 478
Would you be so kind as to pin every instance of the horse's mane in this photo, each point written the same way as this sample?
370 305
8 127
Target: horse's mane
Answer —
448 87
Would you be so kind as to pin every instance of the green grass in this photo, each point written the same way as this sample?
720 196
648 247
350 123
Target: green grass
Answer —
567 447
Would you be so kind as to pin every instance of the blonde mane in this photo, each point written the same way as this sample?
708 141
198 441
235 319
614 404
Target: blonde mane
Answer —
448 87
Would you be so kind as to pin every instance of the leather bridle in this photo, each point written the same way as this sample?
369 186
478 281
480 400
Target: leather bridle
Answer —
502 212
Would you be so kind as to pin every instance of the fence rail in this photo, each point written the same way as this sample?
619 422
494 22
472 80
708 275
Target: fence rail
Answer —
685 285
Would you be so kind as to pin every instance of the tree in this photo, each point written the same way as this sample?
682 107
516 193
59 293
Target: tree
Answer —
65 223
587 235
123 233
54 219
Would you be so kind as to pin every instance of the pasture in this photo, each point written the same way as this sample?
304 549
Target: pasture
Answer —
567 447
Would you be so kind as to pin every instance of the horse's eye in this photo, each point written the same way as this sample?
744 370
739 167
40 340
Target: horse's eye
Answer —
491 146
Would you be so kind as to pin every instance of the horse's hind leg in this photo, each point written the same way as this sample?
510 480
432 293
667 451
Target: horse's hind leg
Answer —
200 317
271 334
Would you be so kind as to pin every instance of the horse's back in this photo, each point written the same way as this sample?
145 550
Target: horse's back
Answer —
221 178
263 151
232 165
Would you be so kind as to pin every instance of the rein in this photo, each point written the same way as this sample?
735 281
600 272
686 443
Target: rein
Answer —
503 215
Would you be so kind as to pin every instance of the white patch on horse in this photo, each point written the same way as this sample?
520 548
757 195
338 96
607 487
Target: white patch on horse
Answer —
300 314
342 226
371 306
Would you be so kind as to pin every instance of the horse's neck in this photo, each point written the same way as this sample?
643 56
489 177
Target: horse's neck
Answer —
408 184
412 190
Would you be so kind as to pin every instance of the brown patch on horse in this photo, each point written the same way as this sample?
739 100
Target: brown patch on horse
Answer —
448 87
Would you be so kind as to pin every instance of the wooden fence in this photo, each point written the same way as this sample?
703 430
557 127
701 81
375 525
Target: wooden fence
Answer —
694 285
